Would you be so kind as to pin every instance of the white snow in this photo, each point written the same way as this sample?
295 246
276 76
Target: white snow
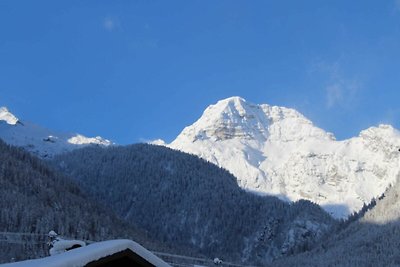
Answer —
82 256
276 150
41 141
62 245
157 142
83 140
8 117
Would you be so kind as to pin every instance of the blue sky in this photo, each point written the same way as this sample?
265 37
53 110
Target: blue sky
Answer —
139 70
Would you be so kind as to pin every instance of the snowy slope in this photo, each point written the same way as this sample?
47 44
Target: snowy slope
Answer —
372 240
276 150
40 141
6 116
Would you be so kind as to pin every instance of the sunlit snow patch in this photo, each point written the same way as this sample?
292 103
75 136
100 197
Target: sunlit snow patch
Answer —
83 140
7 116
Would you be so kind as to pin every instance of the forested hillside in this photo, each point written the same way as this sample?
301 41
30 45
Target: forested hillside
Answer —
186 201
35 200
373 240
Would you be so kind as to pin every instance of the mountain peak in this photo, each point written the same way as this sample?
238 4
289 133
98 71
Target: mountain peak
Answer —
7 116
229 118
278 151
382 130
235 118
229 108
237 101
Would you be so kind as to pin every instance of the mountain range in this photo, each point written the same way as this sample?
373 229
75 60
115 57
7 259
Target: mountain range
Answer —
269 149
278 151
185 202
187 205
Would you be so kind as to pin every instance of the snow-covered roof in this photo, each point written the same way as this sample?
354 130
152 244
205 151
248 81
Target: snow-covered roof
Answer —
93 252
62 245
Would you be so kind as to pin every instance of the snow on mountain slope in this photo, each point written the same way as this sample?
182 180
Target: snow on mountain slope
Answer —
40 141
6 116
276 150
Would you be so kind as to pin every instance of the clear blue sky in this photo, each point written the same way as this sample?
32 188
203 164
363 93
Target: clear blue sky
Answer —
139 70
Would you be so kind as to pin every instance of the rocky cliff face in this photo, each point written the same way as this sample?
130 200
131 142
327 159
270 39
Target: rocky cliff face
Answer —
276 150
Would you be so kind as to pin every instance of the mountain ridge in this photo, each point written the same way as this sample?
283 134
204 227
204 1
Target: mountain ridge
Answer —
271 150
40 141
278 151
7 116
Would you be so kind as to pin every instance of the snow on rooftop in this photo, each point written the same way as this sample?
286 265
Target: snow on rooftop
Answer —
93 252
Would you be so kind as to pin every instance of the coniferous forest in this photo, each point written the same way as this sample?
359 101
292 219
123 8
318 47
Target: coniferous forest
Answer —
183 200
35 199
175 202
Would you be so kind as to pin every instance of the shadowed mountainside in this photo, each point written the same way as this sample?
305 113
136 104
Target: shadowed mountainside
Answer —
372 240
186 201
35 199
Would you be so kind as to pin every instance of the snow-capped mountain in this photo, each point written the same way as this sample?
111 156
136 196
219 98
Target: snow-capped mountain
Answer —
276 150
40 141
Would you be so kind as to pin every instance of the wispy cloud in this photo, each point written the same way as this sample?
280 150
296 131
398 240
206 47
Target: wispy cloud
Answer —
110 24
334 95
342 93
341 89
